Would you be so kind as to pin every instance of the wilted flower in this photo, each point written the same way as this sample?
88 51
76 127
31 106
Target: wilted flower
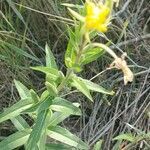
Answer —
120 63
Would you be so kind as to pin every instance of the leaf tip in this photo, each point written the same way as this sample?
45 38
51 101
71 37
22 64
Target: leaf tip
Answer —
112 93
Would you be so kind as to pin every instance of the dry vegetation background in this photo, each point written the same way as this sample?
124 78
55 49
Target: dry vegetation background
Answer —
25 27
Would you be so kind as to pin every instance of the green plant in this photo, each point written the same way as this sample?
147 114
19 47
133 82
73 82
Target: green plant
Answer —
50 108
129 141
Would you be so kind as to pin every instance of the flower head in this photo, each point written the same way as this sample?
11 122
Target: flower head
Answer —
97 16
120 63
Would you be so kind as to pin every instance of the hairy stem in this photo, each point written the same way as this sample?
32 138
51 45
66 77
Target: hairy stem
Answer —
70 70
81 48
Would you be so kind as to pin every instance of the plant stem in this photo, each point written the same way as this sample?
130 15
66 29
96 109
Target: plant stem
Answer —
81 47
69 70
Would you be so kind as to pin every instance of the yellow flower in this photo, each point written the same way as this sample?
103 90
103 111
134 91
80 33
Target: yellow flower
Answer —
97 16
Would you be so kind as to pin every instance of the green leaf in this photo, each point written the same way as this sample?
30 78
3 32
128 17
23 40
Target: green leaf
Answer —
42 140
98 145
53 146
91 55
45 104
15 109
20 123
74 42
37 130
44 95
92 34
127 136
56 118
50 80
24 92
50 59
15 140
33 108
64 106
95 87
51 89
63 135
70 54
34 96
47 70
55 81
81 86
40 106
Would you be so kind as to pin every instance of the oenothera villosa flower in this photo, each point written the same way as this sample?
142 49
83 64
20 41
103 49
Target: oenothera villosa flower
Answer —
97 16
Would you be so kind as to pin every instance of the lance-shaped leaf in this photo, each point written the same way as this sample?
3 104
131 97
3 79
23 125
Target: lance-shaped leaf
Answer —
47 70
58 117
64 106
20 123
44 95
54 146
15 140
81 86
45 104
50 59
50 79
91 55
15 109
51 89
40 106
24 92
34 96
42 140
70 54
95 87
37 130
63 135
